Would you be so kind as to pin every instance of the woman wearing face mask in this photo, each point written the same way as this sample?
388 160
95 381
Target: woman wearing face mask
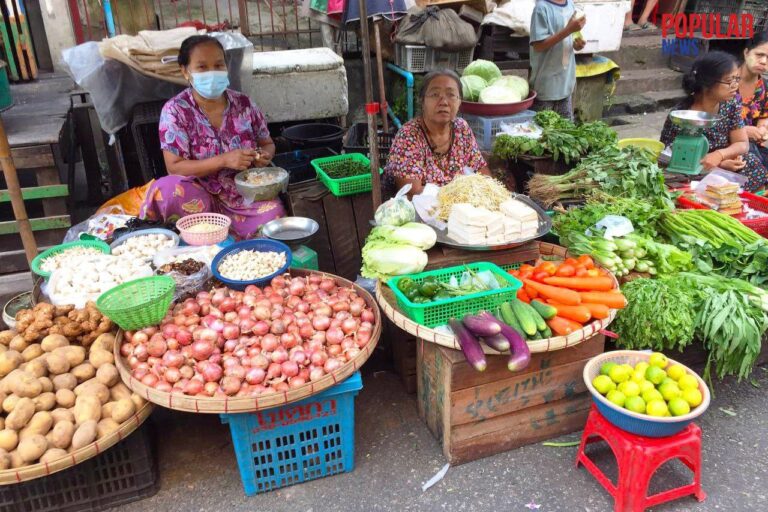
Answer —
754 95
436 146
209 133
712 85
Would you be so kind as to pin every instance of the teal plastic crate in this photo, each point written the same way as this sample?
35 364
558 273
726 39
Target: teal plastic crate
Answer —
297 442
343 186
432 314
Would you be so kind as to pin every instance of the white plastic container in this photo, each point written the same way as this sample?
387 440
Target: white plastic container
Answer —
605 24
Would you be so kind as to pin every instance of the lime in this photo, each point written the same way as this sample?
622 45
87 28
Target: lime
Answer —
603 384
688 382
642 366
619 374
656 408
679 407
646 385
605 368
629 388
676 371
635 404
628 367
693 397
658 360
651 395
638 376
617 397
666 381
655 374
670 391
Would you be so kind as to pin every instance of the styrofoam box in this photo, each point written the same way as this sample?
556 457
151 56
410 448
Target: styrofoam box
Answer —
605 24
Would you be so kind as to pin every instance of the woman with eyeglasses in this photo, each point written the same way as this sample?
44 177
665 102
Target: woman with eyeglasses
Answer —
437 145
754 95
712 86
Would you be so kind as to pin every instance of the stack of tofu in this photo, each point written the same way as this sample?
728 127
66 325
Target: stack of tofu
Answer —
722 197
470 225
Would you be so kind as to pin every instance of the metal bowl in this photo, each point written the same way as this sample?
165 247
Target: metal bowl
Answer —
498 109
22 301
692 119
290 230
276 183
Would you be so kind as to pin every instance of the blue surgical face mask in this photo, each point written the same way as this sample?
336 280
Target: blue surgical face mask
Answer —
210 84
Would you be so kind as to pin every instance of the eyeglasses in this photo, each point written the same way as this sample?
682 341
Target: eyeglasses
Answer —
733 81
435 96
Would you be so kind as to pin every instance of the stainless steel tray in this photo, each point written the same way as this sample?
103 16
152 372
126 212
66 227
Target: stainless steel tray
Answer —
545 224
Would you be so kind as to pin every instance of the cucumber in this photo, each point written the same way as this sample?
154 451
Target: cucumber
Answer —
509 317
524 317
546 333
540 323
546 311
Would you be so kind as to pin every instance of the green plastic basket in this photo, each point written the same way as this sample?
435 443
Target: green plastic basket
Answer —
432 314
139 303
37 262
343 186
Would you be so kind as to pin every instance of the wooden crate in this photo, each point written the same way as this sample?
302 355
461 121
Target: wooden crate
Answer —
403 354
478 414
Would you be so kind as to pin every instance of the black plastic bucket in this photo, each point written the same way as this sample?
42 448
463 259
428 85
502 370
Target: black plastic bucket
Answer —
314 135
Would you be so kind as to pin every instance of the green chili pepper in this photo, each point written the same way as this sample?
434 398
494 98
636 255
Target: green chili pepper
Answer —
405 284
428 288
412 293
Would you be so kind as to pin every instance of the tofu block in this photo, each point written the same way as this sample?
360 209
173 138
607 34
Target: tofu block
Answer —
465 213
518 210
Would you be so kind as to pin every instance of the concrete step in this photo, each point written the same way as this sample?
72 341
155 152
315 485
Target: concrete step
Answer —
639 52
640 81
642 103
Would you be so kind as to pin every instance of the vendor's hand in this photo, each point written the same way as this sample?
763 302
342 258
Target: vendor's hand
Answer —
711 160
575 25
579 44
238 159
756 133
733 164
262 159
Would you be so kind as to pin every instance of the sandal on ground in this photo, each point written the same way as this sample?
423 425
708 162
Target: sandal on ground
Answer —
648 26
633 27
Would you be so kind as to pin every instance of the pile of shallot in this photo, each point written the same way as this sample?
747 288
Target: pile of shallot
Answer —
261 340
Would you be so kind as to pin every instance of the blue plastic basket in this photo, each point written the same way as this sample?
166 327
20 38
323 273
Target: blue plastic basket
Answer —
259 244
298 442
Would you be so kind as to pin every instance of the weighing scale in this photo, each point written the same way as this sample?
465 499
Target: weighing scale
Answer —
690 145
294 232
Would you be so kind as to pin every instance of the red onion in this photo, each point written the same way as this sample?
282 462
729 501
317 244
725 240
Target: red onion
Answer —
172 375
210 388
356 309
229 362
304 374
187 372
332 365
140 351
290 368
230 385
347 343
260 361
262 313
252 289
327 285
126 349
352 353
367 316
297 287
236 371
211 372
230 332
318 358
260 328
184 337
281 387
316 373
193 387
156 346
255 376
296 382
321 322
139 338
269 342
202 350
230 316
172 344
169 330
274 370
279 355
334 350
173 359
278 282
363 336
341 305
246 324
299 357
334 335
289 340
349 325
149 380
215 357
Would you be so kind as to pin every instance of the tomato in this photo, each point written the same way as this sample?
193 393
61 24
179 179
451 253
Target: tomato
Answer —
526 268
566 270
540 276
514 272
593 272
526 274
571 261
548 267
581 271
586 261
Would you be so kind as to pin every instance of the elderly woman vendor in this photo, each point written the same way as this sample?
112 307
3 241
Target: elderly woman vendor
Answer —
208 133
436 146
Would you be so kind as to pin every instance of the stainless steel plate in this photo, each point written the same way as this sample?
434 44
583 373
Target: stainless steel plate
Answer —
291 230
692 118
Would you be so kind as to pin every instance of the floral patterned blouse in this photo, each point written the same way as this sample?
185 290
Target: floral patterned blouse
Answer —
757 107
718 135
185 131
411 157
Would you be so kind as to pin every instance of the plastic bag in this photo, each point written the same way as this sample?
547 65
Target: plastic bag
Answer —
396 211
441 29
101 226
204 253
189 284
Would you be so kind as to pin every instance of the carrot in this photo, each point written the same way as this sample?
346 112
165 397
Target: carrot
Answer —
562 326
610 299
602 284
599 311
522 296
532 294
576 313
561 295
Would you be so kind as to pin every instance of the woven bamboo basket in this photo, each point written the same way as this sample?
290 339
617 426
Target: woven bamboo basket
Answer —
390 308
15 476
210 405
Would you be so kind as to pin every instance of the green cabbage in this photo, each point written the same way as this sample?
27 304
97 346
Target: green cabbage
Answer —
381 260
395 212
499 94
471 86
515 83
414 233
485 69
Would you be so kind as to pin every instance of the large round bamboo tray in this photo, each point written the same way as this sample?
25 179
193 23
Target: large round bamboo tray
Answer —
41 469
210 405
389 306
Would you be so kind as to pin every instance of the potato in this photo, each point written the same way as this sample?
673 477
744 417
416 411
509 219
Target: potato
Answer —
57 364
123 410
107 408
47 384
7 336
6 383
54 341
18 343
137 401
85 434
61 435
105 341
27 385
100 357
16 460
119 391
75 354
105 427
45 401
93 387
62 414
5 460
107 374
83 372
51 454
36 367
10 402
9 439
64 381
32 448
40 424
21 414
9 361
87 407
2 423
65 398
32 352
3 348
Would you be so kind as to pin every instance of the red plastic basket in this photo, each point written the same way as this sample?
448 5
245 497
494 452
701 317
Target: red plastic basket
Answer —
755 202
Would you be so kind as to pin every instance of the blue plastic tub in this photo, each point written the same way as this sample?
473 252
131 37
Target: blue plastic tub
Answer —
259 244
298 442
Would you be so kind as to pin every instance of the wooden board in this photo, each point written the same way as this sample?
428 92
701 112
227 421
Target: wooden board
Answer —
41 224
36 193
477 414
403 354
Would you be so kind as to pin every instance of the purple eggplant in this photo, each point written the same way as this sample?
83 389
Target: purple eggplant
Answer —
469 345
519 353
497 342
480 326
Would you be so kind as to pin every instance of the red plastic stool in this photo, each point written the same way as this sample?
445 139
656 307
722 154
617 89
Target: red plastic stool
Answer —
638 458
